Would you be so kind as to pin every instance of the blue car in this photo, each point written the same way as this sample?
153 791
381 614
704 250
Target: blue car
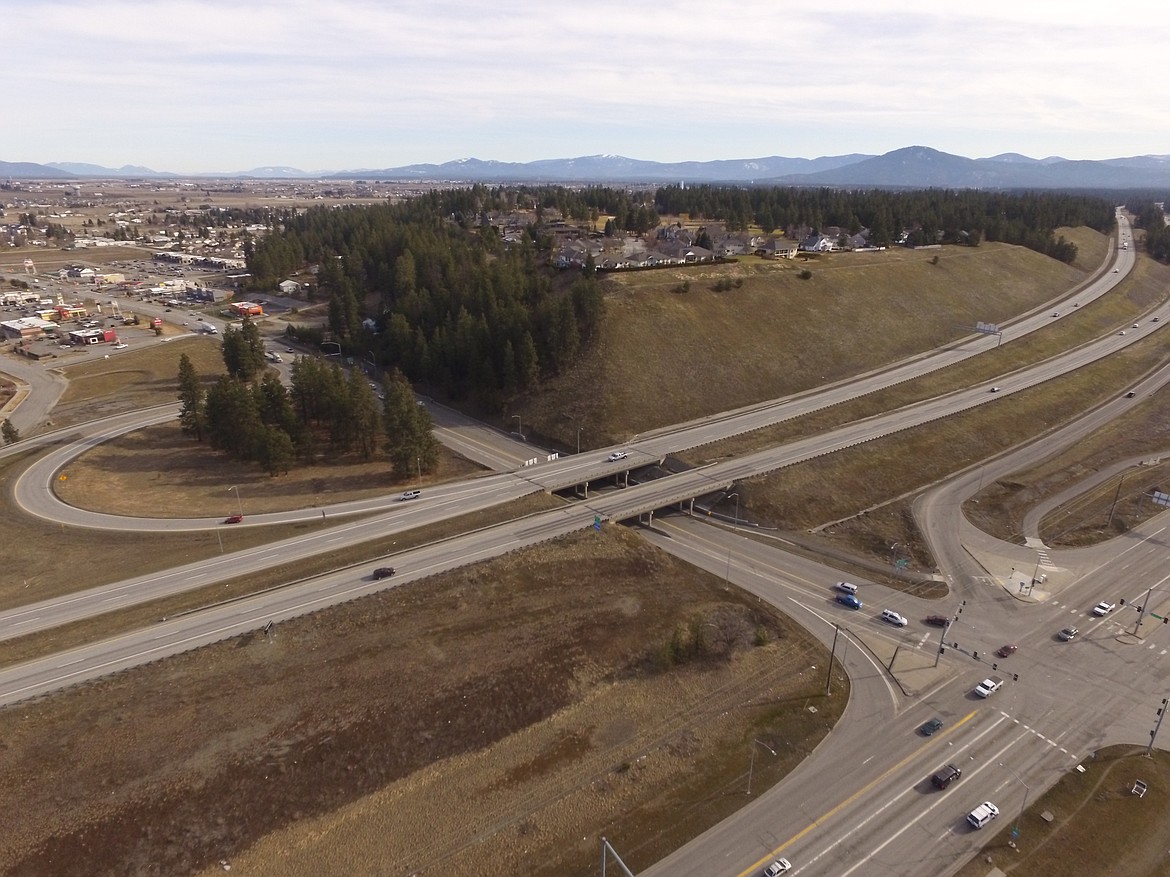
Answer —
849 600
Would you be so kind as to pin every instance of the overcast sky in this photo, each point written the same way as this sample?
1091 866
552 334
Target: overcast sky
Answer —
213 85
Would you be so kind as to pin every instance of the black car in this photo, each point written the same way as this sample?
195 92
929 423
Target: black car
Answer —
946 776
930 727
383 572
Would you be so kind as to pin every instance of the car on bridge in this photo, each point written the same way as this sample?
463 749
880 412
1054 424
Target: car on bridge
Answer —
617 455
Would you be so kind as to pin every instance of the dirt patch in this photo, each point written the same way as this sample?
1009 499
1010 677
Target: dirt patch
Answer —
476 721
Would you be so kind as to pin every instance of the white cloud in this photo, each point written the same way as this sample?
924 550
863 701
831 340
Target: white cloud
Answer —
189 86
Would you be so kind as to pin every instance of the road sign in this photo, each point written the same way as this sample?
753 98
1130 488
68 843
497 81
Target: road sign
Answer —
597 522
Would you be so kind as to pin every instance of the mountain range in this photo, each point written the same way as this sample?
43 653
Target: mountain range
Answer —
910 167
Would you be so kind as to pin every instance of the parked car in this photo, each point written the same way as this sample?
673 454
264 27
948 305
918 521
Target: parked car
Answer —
1103 608
383 572
937 620
1068 634
928 728
849 601
1006 651
233 519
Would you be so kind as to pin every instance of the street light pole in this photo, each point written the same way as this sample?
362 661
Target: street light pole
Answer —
418 462
519 425
1027 789
727 574
752 764
238 501
579 439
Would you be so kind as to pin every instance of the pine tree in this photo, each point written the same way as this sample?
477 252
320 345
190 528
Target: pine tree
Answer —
192 415
9 432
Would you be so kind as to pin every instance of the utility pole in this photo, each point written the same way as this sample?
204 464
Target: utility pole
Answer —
1116 496
832 654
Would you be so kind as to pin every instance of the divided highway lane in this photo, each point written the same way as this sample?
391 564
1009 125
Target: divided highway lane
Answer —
437 504
461 497
229 619
563 473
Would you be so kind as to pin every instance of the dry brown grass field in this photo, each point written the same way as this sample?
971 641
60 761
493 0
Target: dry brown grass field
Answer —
666 356
473 722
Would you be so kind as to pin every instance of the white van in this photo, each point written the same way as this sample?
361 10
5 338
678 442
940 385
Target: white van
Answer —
982 814
846 587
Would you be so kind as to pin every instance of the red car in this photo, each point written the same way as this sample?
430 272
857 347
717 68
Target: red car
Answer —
1005 651
233 519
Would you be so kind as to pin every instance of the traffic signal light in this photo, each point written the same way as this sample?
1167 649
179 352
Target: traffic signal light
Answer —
1015 677
1123 601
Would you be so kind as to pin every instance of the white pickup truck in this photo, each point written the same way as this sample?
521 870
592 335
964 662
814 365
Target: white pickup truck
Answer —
988 686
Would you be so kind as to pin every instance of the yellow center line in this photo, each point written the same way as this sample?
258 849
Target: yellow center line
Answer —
817 822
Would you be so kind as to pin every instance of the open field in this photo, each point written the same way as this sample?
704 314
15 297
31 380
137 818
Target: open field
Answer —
361 735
